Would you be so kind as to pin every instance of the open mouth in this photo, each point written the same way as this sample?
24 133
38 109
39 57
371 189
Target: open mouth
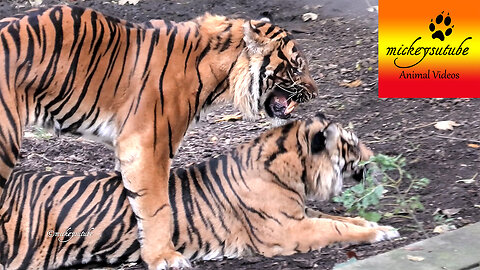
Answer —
278 105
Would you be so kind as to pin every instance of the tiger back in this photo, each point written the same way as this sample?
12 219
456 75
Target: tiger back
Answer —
250 201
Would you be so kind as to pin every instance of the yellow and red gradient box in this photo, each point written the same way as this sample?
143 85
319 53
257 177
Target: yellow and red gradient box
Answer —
402 71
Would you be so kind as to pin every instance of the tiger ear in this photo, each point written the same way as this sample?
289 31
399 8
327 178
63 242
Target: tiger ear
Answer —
267 17
326 139
253 37
321 116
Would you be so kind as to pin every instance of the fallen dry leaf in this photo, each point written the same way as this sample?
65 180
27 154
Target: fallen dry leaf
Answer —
35 3
353 84
352 254
231 117
415 258
310 16
473 145
446 125
451 212
466 181
469 180
372 9
444 228
130 2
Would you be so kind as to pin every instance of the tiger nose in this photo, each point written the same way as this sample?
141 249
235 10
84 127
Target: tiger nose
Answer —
312 87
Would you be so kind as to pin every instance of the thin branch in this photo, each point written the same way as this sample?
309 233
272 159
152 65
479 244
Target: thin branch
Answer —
458 139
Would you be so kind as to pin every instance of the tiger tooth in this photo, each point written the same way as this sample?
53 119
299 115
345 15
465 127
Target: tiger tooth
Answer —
291 107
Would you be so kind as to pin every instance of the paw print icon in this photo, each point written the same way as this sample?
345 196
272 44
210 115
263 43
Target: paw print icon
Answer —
439 24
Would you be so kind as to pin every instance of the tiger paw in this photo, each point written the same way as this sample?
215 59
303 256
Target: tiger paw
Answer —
385 233
168 260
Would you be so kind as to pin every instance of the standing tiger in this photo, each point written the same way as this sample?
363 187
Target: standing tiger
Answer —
138 87
250 201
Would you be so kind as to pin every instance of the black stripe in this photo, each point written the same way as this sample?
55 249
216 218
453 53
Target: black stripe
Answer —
186 58
14 33
270 29
170 147
96 48
6 54
276 34
185 39
226 43
124 61
336 228
141 92
159 209
126 119
260 24
292 217
263 68
27 61
171 43
202 168
172 198
155 127
77 21
33 23
200 84
93 23
44 44
153 42
3 182
137 54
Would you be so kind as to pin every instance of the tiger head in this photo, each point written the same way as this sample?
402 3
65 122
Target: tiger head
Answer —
271 73
333 152
312 157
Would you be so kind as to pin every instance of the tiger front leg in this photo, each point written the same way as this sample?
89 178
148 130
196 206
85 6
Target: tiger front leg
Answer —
145 176
314 233
356 220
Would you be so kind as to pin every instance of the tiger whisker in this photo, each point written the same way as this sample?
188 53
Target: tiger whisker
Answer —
285 89
290 76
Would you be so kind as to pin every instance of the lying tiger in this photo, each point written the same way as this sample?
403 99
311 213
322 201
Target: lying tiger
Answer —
250 201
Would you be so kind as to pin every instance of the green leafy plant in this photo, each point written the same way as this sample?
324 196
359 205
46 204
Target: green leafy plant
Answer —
441 219
385 180
41 133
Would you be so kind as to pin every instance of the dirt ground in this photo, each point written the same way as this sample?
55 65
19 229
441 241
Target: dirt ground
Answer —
342 47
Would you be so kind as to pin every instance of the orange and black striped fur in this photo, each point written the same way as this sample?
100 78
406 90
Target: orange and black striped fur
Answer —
250 201
138 87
